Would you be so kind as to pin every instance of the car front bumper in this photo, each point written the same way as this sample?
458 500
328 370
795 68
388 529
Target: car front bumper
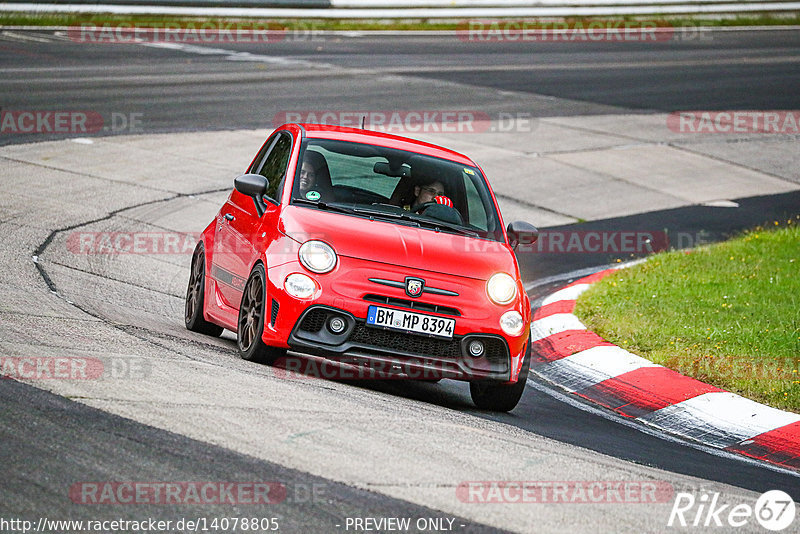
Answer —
389 353
302 324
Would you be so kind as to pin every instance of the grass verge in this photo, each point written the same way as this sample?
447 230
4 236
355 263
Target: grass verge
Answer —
727 314
399 23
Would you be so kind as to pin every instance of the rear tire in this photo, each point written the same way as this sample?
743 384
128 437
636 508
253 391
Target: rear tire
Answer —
195 296
251 321
489 395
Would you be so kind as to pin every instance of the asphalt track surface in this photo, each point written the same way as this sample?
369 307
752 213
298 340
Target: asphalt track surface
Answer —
219 87
49 443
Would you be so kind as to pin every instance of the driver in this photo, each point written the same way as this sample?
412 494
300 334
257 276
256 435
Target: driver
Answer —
431 191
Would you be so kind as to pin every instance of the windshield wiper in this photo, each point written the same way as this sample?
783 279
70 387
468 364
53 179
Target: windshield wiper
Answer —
386 214
401 216
393 216
407 216
357 211
439 225
324 205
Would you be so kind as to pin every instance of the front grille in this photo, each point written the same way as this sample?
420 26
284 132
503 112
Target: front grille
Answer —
400 341
361 337
496 348
314 320
412 304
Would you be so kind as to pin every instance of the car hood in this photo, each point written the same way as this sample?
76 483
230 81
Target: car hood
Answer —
397 244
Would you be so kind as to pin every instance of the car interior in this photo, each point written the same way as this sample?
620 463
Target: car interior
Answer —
385 179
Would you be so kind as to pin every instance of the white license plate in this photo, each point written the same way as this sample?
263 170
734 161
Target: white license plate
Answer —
411 322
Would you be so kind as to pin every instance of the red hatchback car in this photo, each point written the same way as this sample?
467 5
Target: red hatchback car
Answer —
372 250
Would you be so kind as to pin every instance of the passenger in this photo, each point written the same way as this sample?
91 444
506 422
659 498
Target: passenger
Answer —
308 178
314 180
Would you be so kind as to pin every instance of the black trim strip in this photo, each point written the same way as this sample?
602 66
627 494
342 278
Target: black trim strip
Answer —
402 285
390 283
437 291
227 278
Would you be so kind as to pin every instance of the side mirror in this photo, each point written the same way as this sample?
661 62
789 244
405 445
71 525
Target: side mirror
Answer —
252 185
521 233
255 186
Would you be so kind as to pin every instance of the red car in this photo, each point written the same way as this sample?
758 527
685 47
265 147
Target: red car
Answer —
371 250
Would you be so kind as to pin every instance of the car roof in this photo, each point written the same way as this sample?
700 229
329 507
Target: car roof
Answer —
357 135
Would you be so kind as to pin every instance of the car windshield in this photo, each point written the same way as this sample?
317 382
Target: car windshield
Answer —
397 186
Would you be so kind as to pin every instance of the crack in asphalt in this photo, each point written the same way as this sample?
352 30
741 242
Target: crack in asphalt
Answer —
40 316
37 253
130 330
126 282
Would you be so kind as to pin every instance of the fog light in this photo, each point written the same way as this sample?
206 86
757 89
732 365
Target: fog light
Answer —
476 348
337 325
300 286
511 323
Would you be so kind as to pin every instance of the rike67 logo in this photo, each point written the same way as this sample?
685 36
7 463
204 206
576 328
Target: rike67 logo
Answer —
774 510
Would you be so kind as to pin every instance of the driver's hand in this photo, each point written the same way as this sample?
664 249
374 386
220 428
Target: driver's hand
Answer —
445 201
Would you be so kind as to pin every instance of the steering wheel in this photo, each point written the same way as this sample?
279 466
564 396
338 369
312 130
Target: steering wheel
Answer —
422 207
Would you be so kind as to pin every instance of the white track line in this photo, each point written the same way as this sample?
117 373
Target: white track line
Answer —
568 293
554 324
592 366
636 424
720 418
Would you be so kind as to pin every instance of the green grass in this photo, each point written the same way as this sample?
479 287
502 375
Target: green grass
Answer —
399 23
727 314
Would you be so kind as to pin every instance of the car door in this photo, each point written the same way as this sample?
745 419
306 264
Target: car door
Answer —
239 226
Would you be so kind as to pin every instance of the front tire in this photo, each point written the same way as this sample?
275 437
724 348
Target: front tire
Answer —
488 395
251 321
195 296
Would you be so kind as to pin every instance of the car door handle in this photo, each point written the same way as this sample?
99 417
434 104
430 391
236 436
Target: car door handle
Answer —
229 217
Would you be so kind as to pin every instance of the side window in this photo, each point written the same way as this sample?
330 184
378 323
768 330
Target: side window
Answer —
273 166
475 206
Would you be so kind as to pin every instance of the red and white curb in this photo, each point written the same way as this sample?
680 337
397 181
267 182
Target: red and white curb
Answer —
566 354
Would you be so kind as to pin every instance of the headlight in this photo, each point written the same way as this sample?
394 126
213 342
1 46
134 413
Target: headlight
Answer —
317 257
300 286
511 323
501 288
